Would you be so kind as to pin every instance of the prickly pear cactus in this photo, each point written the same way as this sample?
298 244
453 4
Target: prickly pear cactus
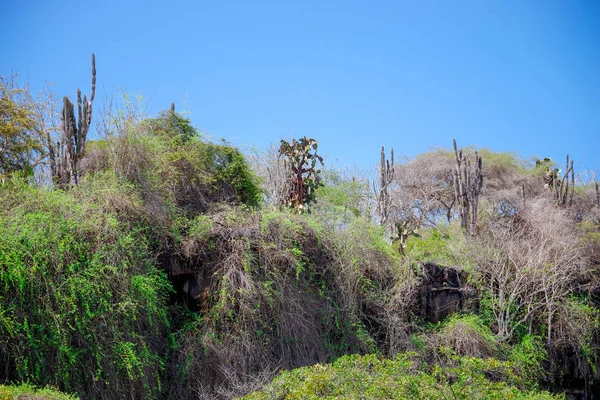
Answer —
304 176
404 230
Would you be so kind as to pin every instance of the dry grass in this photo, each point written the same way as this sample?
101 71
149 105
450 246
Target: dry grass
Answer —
467 337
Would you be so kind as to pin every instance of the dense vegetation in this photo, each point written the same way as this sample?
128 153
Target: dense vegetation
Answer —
352 377
157 264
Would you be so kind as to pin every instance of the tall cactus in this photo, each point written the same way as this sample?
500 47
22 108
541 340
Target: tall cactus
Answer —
68 151
386 170
467 187
561 188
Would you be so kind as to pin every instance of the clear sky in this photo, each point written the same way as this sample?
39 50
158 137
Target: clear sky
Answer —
511 75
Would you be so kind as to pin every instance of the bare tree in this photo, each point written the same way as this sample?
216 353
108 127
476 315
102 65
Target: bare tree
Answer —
422 191
531 267
118 113
274 170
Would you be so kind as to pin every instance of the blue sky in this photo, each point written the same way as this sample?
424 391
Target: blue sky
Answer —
520 76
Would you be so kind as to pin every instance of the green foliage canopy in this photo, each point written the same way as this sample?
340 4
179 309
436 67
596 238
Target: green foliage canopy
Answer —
81 305
19 140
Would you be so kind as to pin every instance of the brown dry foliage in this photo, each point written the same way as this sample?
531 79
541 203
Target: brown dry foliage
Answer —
422 188
400 311
461 337
277 299
274 171
530 267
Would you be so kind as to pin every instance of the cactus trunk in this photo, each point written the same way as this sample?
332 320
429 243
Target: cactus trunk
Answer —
467 188
68 151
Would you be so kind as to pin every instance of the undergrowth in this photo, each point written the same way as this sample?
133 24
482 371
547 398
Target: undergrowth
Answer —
25 391
162 275
82 307
276 299
402 377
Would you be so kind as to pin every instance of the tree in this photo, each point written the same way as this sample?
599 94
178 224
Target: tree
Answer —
20 140
422 189
530 266
303 176
274 170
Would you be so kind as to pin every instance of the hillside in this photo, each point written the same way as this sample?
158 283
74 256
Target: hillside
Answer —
154 263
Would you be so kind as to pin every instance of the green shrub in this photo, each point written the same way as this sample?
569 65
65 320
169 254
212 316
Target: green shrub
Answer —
25 391
229 167
81 306
352 377
529 355
338 202
434 245
170 164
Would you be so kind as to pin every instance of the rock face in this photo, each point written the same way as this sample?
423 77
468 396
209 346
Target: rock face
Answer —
191 282
442 292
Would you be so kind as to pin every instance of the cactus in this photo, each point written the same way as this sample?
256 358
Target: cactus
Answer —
68 151
304 177
550 174
467 189
561 187
403 231
386 170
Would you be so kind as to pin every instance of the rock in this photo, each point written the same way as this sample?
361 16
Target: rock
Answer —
442 291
